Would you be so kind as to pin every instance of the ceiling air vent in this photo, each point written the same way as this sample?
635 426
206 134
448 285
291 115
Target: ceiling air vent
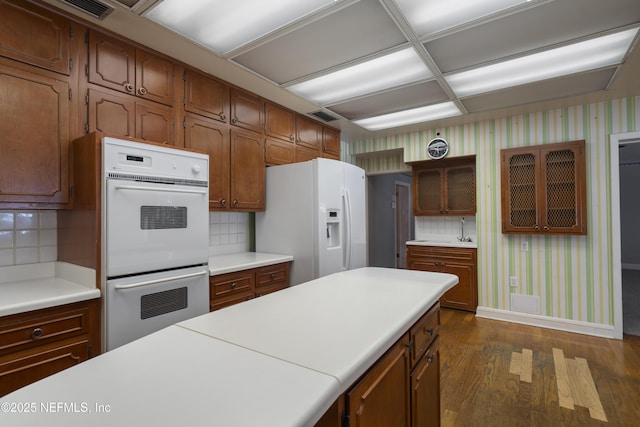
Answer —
324 116
94 8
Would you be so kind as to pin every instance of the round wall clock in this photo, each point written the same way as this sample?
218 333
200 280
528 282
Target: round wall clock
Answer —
437 148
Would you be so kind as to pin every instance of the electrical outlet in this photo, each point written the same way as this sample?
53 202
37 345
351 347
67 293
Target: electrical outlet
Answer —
524 246
513 281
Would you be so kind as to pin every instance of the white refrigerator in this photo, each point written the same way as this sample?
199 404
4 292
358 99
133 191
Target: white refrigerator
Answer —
316 212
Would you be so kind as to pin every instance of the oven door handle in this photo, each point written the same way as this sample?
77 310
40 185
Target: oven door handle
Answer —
166 190
165 279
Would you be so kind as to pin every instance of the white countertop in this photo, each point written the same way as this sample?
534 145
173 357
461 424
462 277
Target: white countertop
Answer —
278 360
229 263
338 324
445 242
34 286
176 377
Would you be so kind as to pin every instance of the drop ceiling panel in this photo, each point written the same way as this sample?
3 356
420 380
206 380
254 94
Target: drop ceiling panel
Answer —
388 102
353 32
541 91
531 29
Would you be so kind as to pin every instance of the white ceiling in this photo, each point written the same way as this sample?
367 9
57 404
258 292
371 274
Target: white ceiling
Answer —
352 31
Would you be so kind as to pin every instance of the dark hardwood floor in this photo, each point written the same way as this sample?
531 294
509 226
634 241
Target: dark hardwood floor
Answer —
477 388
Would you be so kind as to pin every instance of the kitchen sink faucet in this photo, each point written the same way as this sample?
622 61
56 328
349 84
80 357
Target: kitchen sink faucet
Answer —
463 238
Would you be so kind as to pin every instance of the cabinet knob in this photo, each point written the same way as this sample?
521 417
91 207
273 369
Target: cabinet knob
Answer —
234 120
37 333
536 227
273 276
291 138
223 117
235 203
430 330
545 228
128 87
223 202
430 358
234 285
142 91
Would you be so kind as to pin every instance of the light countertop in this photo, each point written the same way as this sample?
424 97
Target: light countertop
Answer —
229 263
279 360
445 241
34 286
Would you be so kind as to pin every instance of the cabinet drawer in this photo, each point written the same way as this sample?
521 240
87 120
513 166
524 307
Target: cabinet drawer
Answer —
232 283
440 252
18 370
423 332
218 303
21 331
272 275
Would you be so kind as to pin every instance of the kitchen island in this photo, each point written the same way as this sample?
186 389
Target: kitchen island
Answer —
280 360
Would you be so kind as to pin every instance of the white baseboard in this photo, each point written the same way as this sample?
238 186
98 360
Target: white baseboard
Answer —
578 327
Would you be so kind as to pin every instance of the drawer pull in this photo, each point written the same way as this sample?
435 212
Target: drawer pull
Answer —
273 276
430 358
37 333
234 285
430 330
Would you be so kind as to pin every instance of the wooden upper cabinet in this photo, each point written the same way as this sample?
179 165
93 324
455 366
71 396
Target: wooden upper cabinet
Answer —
120 115
330 143
34 139
444 187
279 152
248 188
279 122
119 66
309 134
544 189
247 111
35 36
206 96
212 138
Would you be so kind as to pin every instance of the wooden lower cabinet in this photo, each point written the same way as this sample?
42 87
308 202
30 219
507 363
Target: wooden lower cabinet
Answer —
233 288
461 262
39 343
402 388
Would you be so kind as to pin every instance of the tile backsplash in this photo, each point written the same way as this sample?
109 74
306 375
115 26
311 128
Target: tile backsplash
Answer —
229 232
28 237
444 225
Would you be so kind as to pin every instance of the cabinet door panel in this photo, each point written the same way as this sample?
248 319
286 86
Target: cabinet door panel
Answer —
34 36
382 398
464 295
428 188
154 123
247 111
112 63
520 191
112 114
279 152
213 139
206 96
154 78
461 190
34 138
309 134
425 389
279 123
247 171
330 142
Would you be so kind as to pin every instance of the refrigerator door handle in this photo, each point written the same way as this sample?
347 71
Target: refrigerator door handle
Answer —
347 198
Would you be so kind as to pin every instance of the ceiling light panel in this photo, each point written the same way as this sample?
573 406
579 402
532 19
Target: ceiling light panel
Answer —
322 44
385 72
433 16
224 25
408 117
578 57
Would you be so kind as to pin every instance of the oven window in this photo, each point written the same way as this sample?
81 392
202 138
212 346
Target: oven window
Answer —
163 217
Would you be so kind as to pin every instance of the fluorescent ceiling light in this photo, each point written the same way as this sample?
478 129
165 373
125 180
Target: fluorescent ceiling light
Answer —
429 17
578 57
224 25
385 72
408 117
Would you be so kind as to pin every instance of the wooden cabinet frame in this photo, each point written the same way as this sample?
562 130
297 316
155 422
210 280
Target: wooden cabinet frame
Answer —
444 187
544 189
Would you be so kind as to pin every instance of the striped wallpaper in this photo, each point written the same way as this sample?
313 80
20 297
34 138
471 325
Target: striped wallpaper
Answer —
572 275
